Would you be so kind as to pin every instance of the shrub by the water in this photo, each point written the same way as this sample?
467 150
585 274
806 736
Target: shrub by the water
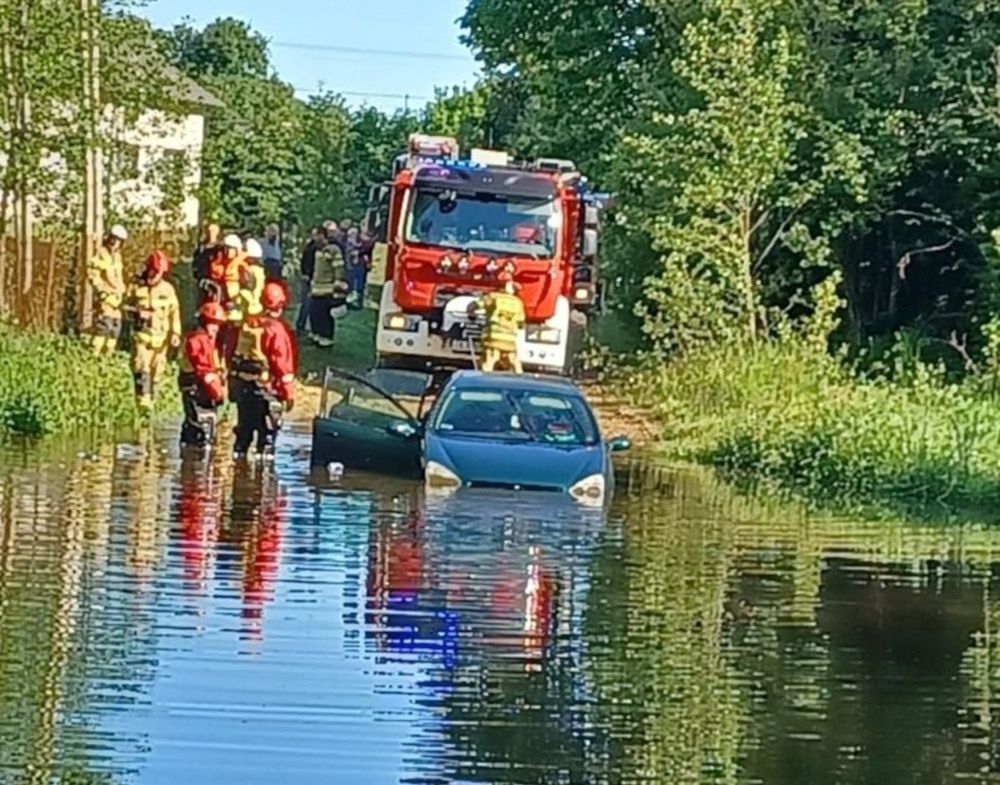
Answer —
786 414
53 384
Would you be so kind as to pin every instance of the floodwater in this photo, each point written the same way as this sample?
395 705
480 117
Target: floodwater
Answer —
180 622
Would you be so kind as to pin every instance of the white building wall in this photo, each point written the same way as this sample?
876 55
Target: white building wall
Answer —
157 137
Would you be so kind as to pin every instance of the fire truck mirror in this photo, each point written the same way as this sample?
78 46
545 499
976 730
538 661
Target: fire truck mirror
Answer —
591 216
589 243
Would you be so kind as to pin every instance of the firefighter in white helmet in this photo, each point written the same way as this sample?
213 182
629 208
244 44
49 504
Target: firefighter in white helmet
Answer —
106 276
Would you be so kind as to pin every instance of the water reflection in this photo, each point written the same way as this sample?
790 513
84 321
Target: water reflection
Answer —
166 619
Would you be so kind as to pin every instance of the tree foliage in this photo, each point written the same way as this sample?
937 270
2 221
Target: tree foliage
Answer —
758 144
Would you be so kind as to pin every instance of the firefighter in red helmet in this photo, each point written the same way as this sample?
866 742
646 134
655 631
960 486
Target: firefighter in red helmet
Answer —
152 304
201 379
267 376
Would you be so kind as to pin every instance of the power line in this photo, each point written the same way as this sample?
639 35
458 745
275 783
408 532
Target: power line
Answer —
318 90
360 50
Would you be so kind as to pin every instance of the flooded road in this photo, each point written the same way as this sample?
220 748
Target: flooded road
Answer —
181 622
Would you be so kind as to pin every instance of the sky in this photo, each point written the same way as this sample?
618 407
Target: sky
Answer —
414 50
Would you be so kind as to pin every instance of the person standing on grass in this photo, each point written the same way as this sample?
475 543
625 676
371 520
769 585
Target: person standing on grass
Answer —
328 292
307 265
209 247
105 272
352 243
271 244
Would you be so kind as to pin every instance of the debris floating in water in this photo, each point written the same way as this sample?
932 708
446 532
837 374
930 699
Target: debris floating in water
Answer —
335 470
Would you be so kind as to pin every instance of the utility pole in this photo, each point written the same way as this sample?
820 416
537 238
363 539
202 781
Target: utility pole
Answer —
93 191
24 223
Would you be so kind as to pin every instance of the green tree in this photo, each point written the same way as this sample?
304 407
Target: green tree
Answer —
225 47
723 174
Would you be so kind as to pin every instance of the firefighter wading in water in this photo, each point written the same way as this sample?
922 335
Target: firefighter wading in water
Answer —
107 280
152 304
265 375
504 315
201 379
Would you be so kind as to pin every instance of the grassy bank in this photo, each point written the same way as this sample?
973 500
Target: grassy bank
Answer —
52 384
788 416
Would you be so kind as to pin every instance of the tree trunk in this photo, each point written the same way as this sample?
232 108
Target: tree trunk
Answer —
92 190
750 289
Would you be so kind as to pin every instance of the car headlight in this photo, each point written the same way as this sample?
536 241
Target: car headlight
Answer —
438 476
589 490
543 335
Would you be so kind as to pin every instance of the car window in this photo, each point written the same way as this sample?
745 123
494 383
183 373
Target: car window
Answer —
517 415
355 401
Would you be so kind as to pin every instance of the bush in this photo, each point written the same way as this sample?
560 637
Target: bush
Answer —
787 414
53 384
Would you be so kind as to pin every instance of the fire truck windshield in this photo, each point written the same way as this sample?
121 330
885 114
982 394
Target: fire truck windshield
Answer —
485 222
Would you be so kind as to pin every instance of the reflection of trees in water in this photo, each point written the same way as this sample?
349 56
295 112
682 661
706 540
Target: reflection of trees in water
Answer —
658 628
65 627
733 641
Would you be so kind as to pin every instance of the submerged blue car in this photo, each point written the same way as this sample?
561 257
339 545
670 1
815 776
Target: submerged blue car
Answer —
500 431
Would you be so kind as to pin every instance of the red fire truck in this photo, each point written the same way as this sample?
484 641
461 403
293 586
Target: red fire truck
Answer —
449 226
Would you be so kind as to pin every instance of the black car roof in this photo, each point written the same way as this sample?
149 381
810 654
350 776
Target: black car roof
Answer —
477 380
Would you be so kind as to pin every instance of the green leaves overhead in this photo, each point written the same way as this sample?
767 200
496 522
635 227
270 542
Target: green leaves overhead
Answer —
757 144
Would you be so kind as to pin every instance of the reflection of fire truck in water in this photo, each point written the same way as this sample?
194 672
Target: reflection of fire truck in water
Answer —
448 228
420 603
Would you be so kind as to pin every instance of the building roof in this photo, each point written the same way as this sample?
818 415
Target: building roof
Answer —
183 88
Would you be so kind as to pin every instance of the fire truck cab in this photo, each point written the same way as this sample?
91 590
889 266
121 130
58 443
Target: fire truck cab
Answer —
448 227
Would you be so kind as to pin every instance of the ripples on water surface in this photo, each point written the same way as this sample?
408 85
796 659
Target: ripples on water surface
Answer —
169 623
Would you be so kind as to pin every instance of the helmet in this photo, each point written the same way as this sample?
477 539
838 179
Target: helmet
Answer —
118 232
253 249
274 297
232 241
157 263
212 312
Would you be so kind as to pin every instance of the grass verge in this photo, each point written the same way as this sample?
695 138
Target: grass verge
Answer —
52 384
793 418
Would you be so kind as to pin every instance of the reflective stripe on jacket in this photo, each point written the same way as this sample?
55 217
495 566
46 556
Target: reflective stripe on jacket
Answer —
157 313
249 362
106 276
233 277
504 318
329 274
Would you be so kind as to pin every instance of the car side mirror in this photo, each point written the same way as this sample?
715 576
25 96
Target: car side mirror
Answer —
403 430
589 243
619 444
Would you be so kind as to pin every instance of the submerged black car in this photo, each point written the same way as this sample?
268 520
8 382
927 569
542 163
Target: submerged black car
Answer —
483 431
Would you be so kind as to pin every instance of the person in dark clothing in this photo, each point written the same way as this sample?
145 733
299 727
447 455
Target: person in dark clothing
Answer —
307 266
208 248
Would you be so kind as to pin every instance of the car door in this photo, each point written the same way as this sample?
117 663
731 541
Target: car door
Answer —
363 427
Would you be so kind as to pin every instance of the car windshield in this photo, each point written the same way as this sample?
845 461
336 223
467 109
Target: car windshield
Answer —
517 415
516 225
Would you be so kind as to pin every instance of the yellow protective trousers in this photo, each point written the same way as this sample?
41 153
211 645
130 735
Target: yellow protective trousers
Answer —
148 365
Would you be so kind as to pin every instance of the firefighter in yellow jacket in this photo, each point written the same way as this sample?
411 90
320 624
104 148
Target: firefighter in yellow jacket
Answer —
152 304
328 290
106 277
503 312
253 276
